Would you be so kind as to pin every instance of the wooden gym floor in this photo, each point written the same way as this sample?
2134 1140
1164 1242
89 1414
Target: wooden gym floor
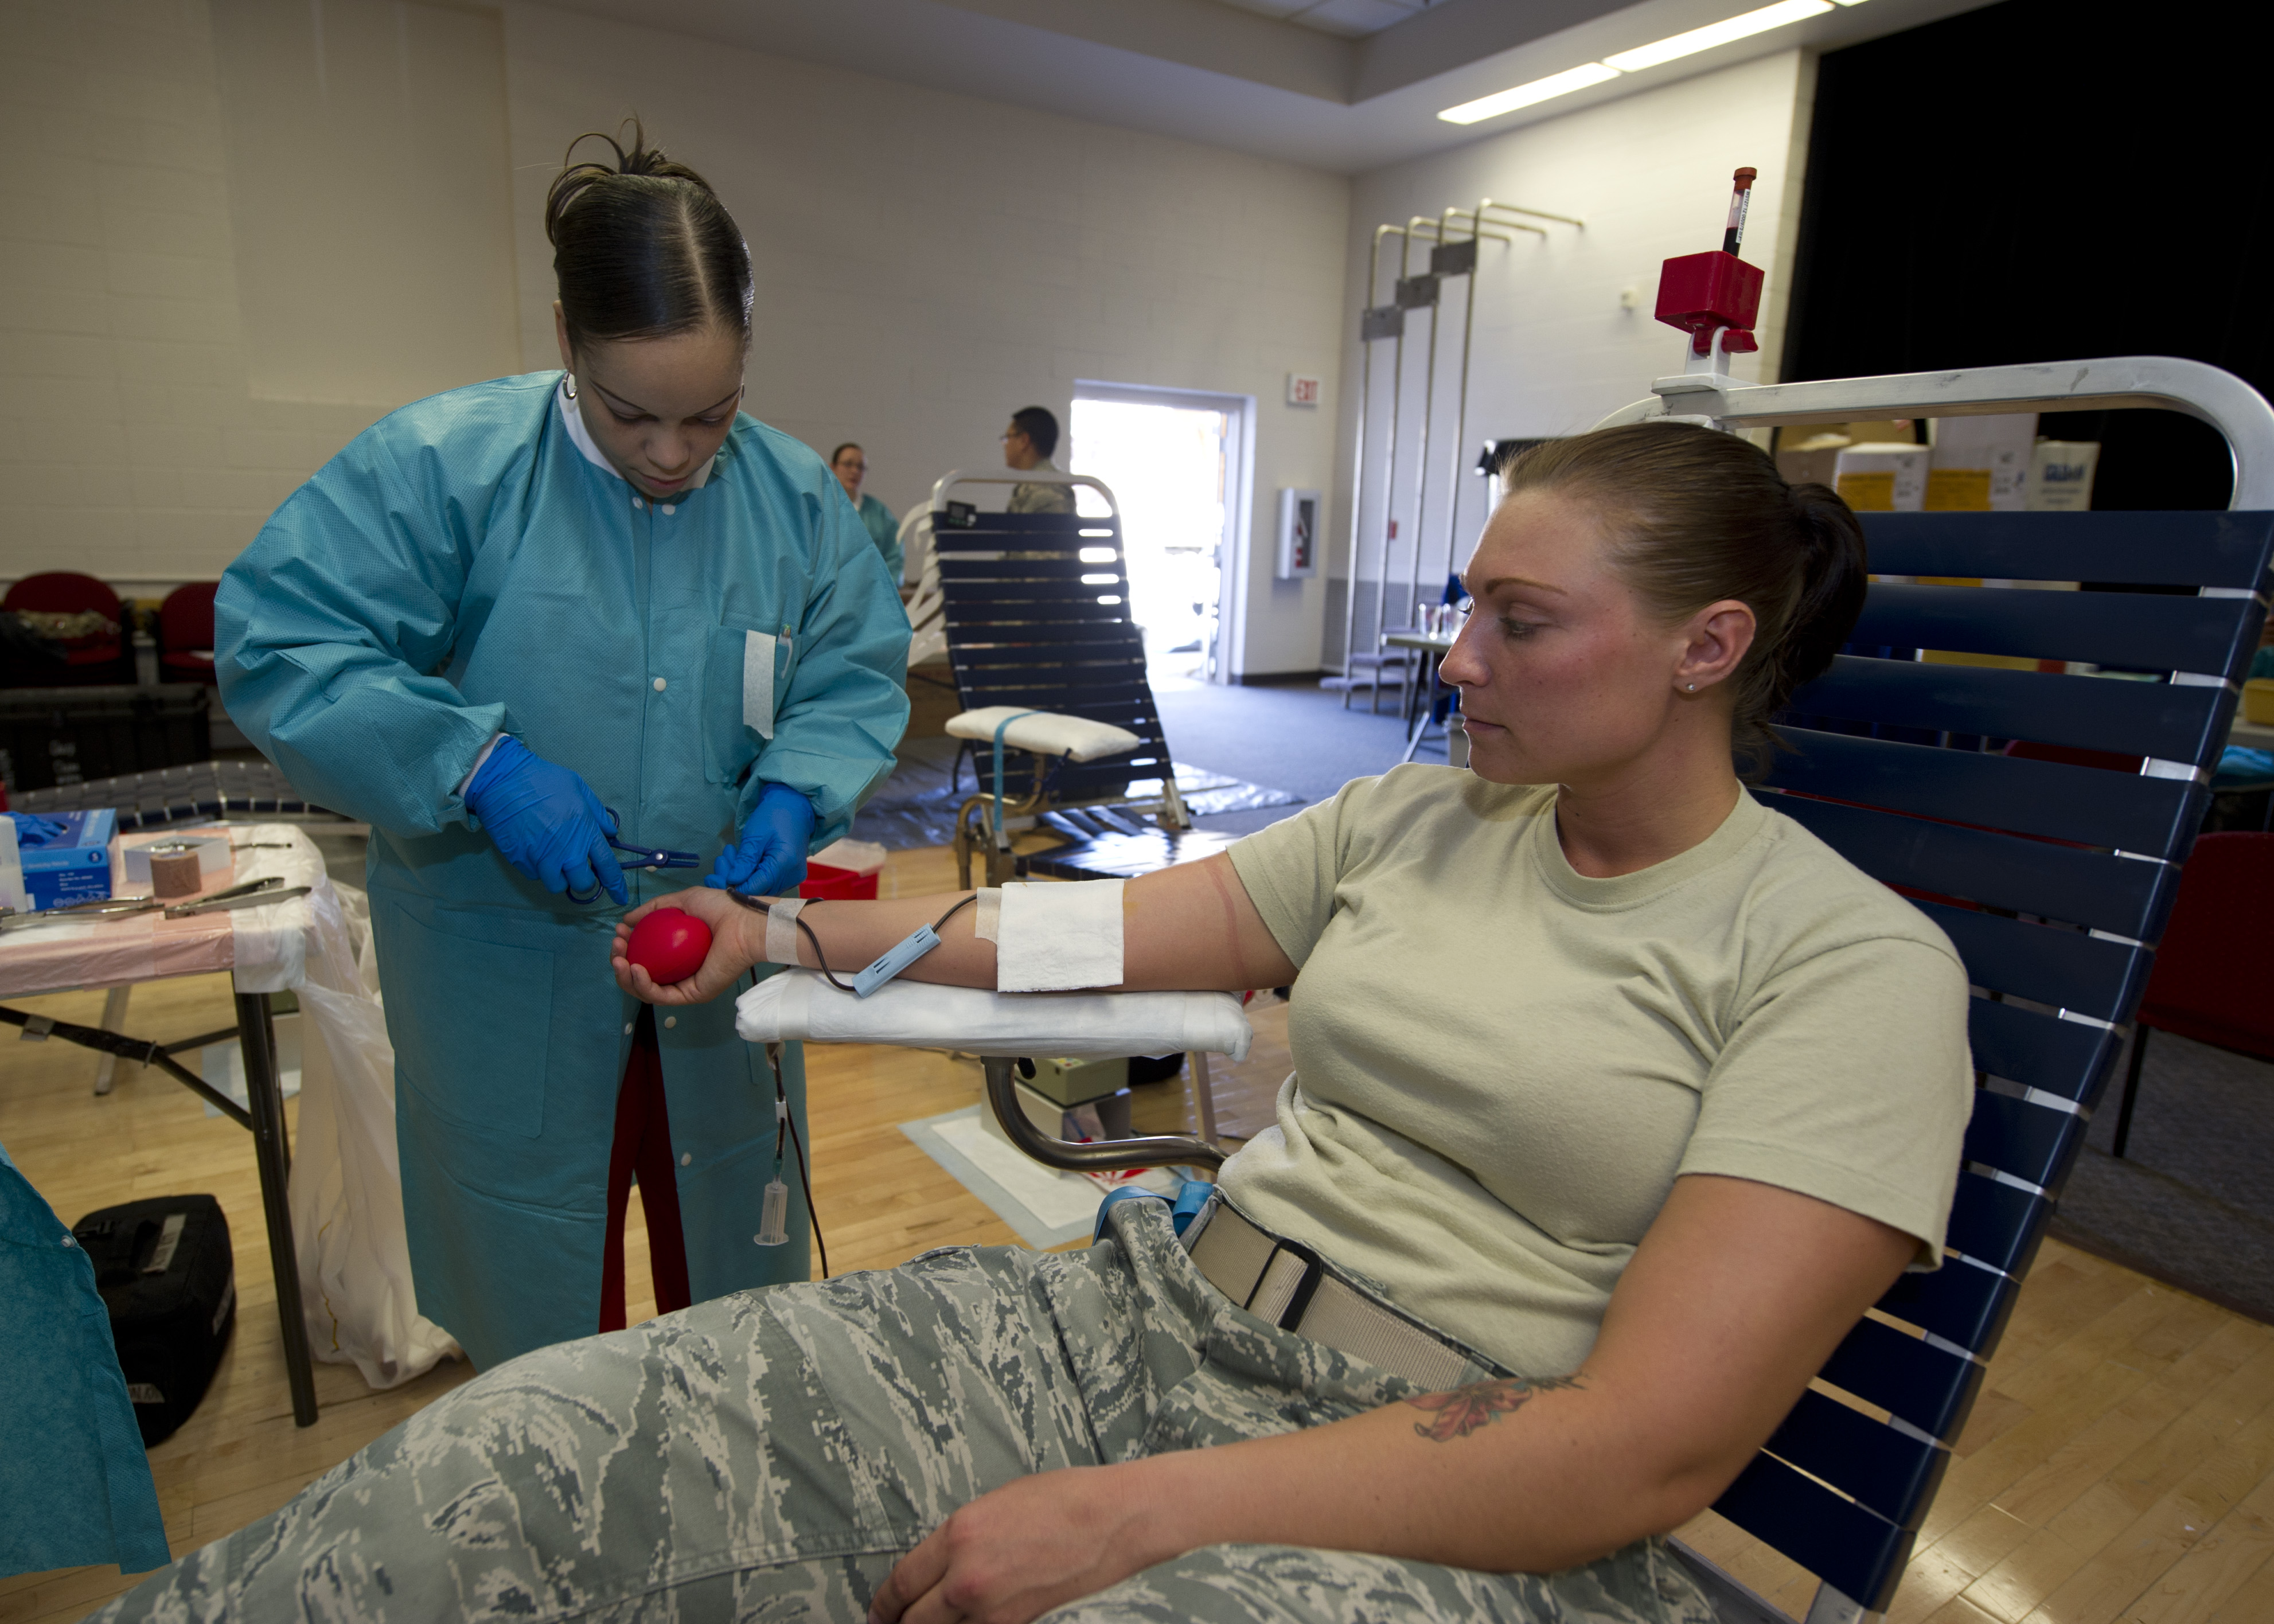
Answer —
2120 1466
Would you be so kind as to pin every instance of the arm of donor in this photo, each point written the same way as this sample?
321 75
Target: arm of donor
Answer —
1192 928
1738 1292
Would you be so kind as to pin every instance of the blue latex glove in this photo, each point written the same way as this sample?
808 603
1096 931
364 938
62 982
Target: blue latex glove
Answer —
768 860
547 820
33 831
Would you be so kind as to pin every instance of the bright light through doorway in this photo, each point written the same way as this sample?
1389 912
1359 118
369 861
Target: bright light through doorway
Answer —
1169 468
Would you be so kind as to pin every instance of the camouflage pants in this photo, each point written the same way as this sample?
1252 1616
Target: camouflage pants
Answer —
771 1454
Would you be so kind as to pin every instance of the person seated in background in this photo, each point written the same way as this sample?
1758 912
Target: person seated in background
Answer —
850 464
1619 1097
1029 443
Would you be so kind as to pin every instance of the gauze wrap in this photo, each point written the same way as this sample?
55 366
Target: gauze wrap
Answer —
1059 937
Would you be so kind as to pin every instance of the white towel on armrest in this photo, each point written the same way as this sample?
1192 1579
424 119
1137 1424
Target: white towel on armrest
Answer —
1046 733
798 1003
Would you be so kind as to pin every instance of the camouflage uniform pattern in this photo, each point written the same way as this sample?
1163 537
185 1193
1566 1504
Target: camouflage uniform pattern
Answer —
771 1454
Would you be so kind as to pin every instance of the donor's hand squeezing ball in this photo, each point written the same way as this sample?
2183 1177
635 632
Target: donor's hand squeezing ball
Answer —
734 935
768 860
545 821
669 944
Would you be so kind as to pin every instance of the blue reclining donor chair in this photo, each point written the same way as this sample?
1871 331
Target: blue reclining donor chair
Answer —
1037 619
2053 881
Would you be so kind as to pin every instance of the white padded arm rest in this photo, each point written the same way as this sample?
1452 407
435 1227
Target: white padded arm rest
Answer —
798 1003
1046 733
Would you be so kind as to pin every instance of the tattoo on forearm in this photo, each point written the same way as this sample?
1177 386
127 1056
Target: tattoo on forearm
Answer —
1465 1409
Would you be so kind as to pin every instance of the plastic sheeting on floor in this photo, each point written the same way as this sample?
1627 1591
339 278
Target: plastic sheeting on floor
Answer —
356 1288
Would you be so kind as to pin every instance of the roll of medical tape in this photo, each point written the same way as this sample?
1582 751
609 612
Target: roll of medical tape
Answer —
174 872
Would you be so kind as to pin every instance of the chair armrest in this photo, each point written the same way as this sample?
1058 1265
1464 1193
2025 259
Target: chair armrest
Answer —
800 1005
1044 732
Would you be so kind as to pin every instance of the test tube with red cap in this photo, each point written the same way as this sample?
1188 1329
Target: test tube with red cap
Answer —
1734 233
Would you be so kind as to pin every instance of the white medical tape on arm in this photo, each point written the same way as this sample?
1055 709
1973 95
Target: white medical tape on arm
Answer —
987 915
1059 937
781 931
758 687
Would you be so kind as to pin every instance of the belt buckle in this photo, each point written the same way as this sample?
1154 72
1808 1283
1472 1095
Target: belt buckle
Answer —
1298 1301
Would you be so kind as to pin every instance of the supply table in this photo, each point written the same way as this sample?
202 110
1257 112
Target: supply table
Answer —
1432 647
266 950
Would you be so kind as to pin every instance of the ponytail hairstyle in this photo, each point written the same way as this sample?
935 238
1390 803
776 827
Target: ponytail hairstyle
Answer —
644 250
1696 517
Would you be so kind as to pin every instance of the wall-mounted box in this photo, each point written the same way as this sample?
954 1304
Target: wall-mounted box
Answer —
1298 557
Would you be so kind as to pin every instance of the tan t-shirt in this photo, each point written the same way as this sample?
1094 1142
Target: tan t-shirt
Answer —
1502 1064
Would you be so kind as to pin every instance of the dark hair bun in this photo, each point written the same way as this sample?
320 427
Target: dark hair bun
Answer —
642 249
1833 580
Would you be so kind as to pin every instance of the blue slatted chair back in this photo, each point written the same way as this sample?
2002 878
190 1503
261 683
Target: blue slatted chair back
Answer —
2054 881
1037 607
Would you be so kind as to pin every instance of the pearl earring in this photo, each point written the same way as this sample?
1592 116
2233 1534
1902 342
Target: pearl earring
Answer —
568 383
1692 687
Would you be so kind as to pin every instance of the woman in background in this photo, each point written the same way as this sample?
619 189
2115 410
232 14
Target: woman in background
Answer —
850 464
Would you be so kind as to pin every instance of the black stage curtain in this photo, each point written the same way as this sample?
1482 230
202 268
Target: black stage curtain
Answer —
2040 181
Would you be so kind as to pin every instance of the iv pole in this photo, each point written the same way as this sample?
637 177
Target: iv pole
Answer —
1386 321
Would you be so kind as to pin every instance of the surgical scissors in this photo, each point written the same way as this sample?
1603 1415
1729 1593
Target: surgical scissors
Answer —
643 857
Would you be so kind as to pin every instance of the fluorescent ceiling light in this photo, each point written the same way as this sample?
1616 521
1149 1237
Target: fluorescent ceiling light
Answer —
1642 57
1718 34
1539 90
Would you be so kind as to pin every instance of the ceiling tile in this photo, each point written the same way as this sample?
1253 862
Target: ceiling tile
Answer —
1356 18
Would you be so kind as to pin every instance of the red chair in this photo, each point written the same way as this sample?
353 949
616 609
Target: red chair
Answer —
2214 976
103 657
185 633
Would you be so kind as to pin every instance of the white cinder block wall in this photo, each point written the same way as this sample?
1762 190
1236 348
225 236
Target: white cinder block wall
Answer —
132 448
1553 350
928 263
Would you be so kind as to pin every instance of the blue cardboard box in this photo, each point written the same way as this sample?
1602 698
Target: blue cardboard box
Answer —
75 866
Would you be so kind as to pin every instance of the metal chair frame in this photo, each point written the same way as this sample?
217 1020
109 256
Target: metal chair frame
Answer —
1031 622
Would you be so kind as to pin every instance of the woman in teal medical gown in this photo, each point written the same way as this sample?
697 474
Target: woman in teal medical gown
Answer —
509 621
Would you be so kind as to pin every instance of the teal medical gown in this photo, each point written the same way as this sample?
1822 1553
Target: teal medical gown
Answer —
75 1485
884 530
463 568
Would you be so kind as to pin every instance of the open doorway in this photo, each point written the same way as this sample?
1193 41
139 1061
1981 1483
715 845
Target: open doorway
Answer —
1176 462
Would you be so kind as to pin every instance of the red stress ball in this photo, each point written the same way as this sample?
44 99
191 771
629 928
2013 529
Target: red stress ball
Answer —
670 946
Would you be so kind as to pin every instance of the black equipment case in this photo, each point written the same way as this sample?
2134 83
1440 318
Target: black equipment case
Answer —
164 1267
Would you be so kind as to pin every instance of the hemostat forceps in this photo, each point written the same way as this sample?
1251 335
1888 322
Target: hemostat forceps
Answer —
637 857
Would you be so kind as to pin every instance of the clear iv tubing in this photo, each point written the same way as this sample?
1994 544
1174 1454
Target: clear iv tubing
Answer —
821 958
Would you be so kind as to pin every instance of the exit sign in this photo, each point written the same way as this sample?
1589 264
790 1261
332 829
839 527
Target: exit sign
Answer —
1302 391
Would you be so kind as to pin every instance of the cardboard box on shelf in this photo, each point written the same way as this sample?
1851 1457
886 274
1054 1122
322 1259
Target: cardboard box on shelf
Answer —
1981 465
1883 477
2060 475
1810 454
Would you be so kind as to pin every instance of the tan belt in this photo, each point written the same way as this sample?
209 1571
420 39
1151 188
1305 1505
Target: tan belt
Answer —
1288 1284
